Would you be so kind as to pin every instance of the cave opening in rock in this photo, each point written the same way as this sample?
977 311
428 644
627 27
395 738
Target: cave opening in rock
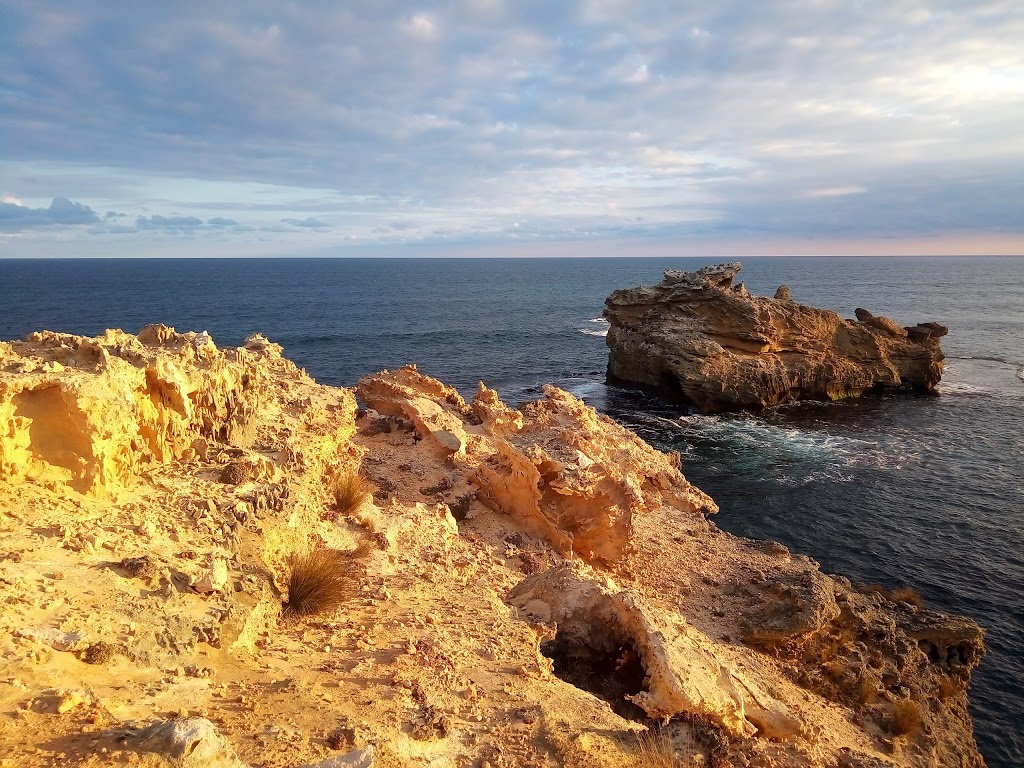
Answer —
600 663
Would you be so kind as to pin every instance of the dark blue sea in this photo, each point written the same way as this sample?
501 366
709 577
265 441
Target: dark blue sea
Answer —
920 491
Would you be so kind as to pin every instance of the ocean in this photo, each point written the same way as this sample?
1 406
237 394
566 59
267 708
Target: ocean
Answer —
912 490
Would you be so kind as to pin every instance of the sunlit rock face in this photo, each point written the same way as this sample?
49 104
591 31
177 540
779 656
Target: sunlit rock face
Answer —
698 339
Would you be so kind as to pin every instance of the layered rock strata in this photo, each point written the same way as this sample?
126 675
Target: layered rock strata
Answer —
696 338
534 587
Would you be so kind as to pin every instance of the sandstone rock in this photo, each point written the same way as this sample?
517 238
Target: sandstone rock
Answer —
692 339
782 293
115 524
59 701
682 673
214 578
123 403
786 606
360 758
68 642
185 742
436 410
558 467
881 323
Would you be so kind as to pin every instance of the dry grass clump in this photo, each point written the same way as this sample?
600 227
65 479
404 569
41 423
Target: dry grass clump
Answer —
946 688
655 749
906 717
867 687
323 579
907 595
350 491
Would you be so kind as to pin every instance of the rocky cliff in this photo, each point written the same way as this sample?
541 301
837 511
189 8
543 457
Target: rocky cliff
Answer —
532 587
697 338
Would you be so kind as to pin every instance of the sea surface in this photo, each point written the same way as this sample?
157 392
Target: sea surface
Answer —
921 491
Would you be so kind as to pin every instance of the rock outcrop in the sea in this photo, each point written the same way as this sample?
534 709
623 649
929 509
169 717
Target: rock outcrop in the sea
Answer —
697 339
533 587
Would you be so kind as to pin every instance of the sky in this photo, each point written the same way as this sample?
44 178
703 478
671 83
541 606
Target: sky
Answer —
493 127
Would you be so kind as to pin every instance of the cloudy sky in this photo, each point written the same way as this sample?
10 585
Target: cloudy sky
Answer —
493 127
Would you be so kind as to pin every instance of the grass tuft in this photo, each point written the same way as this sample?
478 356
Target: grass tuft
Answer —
946 688
866 689
906 717
907 595
319 582
656 750
350 492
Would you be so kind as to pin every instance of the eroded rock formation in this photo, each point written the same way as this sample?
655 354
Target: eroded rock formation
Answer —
561 469
697 339
529 587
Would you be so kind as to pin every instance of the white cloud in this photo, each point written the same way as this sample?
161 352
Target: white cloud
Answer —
422 27
853 189
736 116
640 75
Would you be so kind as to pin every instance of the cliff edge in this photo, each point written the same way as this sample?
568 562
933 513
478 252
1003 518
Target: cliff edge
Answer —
208 559
698 339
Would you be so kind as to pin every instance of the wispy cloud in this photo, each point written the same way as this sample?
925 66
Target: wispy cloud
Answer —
308 222
492 121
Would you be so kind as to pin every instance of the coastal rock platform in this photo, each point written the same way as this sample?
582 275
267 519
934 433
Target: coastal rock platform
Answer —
516 587
698 339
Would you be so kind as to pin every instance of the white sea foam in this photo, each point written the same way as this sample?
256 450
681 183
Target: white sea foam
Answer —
961 388
599 320
782 454
585 389
593 332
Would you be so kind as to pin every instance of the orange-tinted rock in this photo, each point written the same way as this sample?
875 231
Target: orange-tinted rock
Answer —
694 339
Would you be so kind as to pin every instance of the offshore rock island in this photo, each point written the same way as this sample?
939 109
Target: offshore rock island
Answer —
696 338
534 587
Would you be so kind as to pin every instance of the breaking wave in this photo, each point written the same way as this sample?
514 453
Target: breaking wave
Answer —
765 452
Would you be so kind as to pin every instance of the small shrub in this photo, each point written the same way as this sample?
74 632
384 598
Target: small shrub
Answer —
99 653
319 582
138 567
907 595
906 717
866 689
946 688
656 750
350 492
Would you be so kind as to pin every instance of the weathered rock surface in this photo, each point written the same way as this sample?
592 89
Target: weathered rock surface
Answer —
558 467
188 742
697 339
682 673
534 587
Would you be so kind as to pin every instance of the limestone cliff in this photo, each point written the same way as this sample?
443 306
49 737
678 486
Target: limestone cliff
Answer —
698 339
534 587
